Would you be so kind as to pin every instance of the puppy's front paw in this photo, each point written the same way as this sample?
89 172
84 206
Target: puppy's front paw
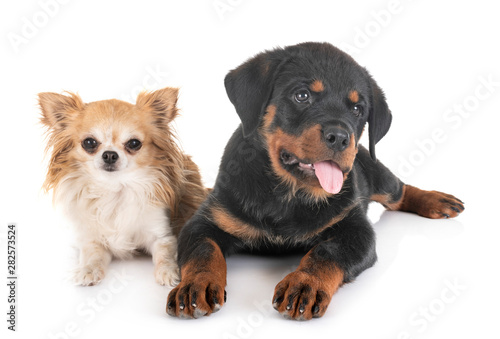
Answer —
196 296
438 205
167 274
89 275
431 204
446 206
301 296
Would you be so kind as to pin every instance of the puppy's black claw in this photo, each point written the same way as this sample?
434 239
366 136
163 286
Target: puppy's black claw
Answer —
193 299
278 300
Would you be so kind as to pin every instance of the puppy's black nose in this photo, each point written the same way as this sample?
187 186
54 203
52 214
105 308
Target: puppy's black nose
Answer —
337 138
110 157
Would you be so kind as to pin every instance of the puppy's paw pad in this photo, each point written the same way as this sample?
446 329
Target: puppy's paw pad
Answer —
89 275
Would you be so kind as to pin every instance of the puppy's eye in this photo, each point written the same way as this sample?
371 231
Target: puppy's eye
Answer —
90 145
357 110
302 96
133 145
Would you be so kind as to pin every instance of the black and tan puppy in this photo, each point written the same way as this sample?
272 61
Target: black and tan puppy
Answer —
294 178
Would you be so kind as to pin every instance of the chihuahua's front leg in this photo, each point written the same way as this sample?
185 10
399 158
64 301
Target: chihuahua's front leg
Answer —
93 261
164 252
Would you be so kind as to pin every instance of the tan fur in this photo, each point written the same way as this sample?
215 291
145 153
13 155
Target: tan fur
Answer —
191 196
234 226
429 204
308 145
354 96
206 283
323 280
387 201
252 235
317 86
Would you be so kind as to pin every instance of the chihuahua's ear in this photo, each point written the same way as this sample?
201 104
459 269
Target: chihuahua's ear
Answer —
57 109
250 86
379 118
162 103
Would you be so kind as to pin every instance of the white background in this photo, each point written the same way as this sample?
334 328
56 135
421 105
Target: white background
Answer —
430 57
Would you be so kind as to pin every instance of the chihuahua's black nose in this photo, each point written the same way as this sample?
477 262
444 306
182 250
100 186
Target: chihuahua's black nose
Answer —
110 157
337 138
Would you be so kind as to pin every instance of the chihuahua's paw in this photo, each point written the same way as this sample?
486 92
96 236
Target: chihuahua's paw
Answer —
167 274
89 275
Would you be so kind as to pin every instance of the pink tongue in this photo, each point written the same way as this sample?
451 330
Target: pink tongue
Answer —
329 175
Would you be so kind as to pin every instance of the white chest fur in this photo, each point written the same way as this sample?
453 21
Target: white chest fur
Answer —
117 214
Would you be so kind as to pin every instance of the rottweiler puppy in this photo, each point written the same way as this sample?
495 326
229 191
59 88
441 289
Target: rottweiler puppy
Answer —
294 177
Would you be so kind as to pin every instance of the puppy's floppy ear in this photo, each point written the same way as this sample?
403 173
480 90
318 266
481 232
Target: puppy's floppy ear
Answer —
379 118
57 109
162 103
250 86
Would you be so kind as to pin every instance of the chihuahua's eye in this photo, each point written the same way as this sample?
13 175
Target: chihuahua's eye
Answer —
133 145
358 110
302 96
90 145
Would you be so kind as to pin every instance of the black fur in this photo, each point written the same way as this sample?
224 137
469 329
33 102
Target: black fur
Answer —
246 184
250 190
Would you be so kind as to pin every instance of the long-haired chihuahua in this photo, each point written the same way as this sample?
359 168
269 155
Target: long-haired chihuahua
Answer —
119 174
